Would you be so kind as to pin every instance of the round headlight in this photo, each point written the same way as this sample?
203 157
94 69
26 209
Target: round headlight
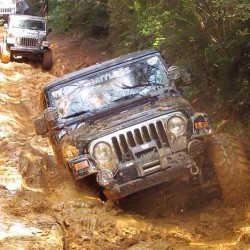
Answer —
176 125
102 151
39 41
105 177
18 39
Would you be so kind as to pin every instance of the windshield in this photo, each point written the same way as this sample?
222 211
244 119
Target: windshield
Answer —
38 25
107 88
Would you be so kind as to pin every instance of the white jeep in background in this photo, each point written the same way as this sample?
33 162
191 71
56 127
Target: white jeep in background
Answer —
26 36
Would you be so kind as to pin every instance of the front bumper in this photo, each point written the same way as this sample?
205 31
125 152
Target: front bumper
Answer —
20 50
133 186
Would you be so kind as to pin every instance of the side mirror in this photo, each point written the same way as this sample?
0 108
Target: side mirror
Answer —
173 73
50 114
49 29
40 126
6 26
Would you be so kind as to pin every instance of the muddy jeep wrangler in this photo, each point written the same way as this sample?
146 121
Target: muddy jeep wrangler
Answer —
125 123
25 36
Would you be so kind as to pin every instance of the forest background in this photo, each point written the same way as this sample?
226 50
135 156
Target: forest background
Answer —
211 37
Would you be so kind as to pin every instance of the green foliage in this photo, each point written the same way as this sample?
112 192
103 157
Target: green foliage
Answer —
136 24
225 28
84 15
210 37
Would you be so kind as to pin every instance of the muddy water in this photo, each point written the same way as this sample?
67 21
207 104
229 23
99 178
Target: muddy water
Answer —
41 207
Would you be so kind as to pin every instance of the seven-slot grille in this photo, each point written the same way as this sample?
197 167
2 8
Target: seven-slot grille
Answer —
29 42
138 136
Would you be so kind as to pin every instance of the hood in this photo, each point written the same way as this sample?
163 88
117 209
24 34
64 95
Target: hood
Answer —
27 33
85 131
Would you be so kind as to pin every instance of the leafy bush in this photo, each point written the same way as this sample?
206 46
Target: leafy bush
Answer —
211 37
89 16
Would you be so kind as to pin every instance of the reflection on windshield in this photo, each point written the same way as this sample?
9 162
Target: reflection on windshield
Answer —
29 24
102 90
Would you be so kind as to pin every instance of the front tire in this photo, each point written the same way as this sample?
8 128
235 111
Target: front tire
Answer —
229 161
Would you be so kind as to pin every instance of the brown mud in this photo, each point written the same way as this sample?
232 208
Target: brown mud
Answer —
43 208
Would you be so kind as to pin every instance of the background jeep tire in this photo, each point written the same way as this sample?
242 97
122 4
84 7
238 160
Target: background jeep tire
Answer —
5 53
229 161
47 59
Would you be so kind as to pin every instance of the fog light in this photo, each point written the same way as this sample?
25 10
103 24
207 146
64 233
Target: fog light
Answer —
105 178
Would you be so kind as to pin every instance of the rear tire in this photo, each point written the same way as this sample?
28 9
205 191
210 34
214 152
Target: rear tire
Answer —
229 161
47 59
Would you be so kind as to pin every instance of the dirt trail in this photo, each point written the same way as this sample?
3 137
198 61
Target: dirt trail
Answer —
42 208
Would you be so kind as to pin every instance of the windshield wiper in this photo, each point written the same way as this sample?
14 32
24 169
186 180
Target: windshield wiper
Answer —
76 114
126 97
143 86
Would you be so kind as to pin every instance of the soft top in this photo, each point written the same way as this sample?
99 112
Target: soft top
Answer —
100 66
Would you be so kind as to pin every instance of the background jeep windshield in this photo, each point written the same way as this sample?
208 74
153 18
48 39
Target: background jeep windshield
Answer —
27 24
107 88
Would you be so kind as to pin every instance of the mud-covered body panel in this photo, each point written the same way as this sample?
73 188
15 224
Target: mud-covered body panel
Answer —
126 122
127 118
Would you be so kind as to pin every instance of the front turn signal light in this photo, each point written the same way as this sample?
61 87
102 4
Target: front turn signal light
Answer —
200 125
81 165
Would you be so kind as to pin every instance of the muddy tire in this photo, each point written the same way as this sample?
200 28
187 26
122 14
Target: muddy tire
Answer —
57 151
5 53
47 59
229 161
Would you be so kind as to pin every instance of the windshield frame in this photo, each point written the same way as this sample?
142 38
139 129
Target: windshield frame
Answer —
93 74
15 23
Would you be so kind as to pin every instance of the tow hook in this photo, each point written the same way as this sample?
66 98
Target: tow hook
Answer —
194 170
